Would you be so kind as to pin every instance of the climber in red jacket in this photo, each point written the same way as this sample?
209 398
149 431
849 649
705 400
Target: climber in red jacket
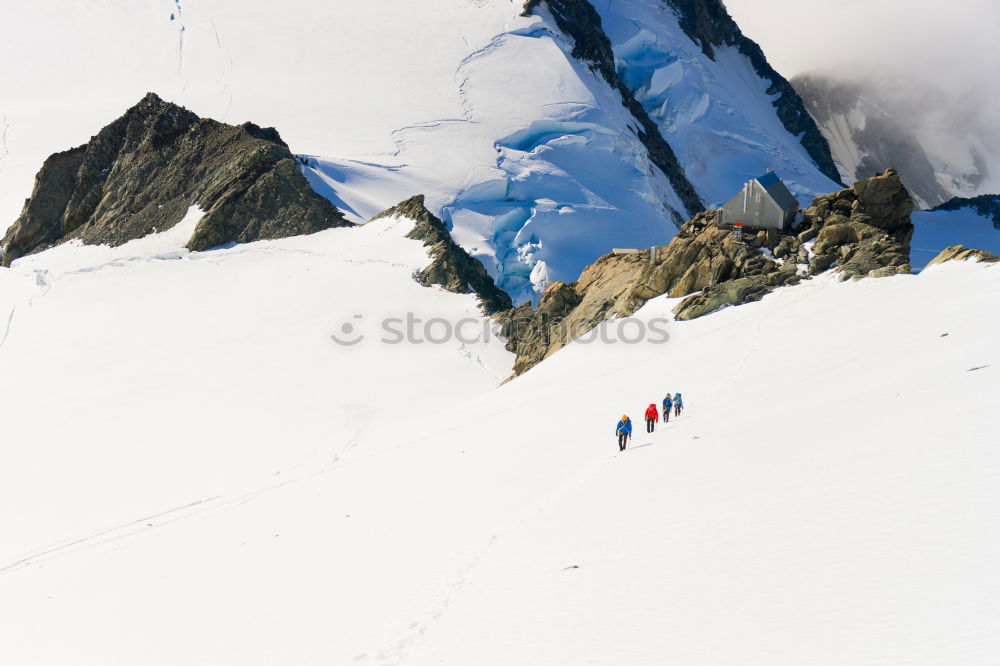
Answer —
652 416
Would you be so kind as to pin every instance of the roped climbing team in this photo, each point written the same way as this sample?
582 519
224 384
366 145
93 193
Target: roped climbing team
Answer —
624 428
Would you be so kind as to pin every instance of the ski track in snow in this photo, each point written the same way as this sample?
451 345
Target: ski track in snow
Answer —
215 31
478 360
44 285
4 134
202 508
785 295
463 574
99 538
396 653
10 319
359 416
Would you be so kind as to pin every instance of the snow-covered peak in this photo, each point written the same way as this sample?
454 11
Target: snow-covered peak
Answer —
537 161
713 103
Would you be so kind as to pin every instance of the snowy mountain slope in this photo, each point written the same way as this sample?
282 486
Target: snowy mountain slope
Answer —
541 173
569 182
525 150
710 102
477 103
270 497
183 375
336 78
237 457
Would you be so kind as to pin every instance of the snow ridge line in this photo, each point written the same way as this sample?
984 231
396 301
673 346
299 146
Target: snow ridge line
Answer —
398 136
467 113
495 42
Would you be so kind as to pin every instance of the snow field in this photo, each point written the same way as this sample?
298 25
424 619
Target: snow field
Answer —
826 497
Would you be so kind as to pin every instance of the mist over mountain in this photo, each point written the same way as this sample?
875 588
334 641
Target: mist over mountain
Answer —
943 146
894 83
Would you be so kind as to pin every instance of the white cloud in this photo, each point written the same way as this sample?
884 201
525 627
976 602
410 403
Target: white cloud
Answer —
953 43
937 61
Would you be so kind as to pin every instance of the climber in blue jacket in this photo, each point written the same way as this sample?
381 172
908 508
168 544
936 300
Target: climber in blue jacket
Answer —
624 431
667 405
678 404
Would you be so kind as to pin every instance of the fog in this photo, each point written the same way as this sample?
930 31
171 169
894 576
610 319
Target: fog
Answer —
953 43
936 61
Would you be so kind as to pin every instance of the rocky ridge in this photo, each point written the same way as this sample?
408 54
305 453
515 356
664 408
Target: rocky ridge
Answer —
451 267
141 173
861 231
986 205
961 253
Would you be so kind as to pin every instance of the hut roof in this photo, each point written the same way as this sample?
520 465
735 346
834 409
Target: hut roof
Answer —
773 185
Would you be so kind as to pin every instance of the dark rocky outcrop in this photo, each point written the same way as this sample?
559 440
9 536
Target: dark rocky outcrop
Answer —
580 21
862 231
451 267
708 24
986 205
140 174
961 253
